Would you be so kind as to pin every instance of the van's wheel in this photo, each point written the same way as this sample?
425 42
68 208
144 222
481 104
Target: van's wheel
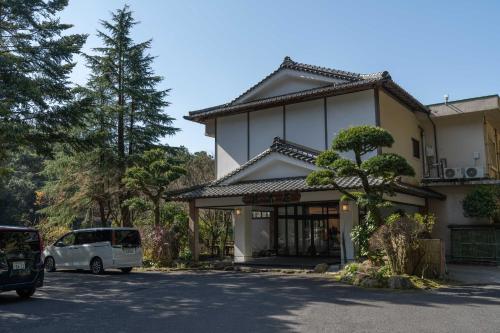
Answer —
25 293
126 270
50 264
96 266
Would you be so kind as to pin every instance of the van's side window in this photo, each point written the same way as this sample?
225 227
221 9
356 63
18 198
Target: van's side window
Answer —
84 237
67 240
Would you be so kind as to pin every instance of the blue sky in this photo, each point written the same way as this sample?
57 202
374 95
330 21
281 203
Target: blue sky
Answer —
211 51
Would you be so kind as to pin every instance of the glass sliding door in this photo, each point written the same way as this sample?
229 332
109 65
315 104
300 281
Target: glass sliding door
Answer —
308 229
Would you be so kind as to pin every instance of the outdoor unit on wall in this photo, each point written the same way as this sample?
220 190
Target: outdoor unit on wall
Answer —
474 172
453 173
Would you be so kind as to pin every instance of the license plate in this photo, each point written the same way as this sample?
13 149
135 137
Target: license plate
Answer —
18 265
129 250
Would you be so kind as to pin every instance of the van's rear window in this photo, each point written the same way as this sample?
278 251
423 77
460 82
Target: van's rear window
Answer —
17 241
127 237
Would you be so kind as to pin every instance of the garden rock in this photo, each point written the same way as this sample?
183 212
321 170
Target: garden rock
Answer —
321 268
371 283
400 282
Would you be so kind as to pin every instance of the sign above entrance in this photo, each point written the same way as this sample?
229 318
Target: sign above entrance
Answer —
277 198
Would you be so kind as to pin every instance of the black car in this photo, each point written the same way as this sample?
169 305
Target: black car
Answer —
21 265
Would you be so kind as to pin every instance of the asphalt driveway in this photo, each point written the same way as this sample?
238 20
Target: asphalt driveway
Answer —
241 302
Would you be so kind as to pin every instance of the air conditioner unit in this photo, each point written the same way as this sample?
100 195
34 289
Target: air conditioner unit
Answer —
453 173
474 172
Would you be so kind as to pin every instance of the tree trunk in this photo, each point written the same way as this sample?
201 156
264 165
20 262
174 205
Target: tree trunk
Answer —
156 204
102 213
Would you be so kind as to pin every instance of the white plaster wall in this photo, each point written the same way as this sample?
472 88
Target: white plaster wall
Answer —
274 165
231 143
265 125
348 220
278 169
458 137
285 82
260 235
242 225
305 124
348 110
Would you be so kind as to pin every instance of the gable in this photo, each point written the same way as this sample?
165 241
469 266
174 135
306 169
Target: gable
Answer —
286 81
273 166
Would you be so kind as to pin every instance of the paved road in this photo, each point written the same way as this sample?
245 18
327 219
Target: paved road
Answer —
241 302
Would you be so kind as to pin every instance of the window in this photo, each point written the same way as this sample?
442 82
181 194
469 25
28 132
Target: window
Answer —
257 214
416 148
127 238
89 237
15 241
67 240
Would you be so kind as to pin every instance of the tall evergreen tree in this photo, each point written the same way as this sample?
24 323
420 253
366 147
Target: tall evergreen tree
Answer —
36 58
127 100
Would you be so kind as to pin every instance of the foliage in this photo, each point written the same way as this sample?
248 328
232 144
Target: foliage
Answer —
398 240
200 169
51 232
18 198
37 104
482 201
77 188
377 174
215 229
128 105
165 242
152 175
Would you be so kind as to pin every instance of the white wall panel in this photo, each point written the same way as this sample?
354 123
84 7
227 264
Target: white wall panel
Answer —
305 124
265 125
231 143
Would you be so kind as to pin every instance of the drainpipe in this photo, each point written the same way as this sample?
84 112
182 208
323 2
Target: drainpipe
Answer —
435 145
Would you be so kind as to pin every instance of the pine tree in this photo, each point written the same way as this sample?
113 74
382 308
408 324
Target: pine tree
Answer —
36 58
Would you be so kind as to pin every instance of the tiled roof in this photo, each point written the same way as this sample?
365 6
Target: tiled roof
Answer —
288 63
280 146
288 184
354 82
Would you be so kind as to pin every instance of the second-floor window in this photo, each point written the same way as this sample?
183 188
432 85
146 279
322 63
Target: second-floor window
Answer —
416 148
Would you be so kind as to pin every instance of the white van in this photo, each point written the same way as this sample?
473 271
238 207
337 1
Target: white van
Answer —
95 249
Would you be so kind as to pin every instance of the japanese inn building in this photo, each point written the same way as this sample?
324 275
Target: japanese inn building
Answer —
267 140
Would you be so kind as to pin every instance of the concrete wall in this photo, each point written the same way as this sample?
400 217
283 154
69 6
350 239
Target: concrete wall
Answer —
459 137
450 211
403 124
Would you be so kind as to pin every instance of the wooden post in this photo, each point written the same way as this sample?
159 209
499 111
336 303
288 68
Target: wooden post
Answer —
194 231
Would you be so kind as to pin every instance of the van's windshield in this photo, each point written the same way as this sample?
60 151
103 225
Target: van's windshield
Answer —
13 241
128 238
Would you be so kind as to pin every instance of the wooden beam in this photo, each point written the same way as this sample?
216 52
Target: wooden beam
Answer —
194 231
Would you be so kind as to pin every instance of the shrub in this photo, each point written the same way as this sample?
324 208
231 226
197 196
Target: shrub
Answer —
483 201
51 232
398 240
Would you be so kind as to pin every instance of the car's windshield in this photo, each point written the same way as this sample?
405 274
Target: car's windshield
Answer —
19 241
127 238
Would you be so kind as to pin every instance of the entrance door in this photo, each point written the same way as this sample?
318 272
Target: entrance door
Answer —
307 230
326 240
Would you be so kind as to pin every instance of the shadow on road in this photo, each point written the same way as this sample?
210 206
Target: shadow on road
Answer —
203 301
